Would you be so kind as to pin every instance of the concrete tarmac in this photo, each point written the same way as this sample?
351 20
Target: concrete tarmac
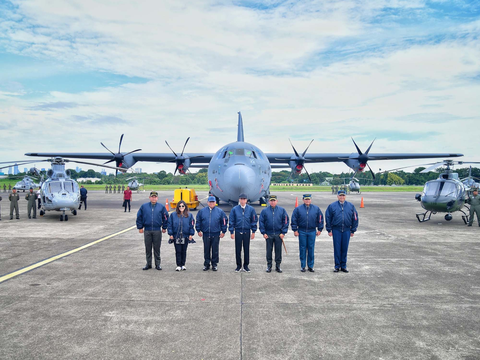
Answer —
413 290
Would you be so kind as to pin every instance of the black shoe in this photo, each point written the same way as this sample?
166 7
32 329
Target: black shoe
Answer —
269 269
277 269
302 270
245 268
344 270
214 268
158 267
147 267
238 269
336 270
34 217
311 269
206 268
29 217
469 225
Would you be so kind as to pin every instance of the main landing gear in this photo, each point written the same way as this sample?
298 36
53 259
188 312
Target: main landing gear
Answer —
63 217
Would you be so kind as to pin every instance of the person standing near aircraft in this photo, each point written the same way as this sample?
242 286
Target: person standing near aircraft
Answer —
83 197
39 200
211 224
307 224
1 208
474 202
152 220
341 219
31 197
242 226
181 230
127 197
273 226
14 198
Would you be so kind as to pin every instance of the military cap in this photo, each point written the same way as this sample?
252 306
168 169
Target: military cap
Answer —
242 196
212 198
272 197
307 196
31 188
475 189
341 192
153 193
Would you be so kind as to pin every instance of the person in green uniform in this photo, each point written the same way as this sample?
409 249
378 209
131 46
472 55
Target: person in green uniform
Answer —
31 197
14 197
474 202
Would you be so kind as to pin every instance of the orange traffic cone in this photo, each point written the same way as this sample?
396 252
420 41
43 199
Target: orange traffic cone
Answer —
361 204
296 202
166 205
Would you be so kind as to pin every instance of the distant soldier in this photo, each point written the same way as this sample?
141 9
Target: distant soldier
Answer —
123 188
336 189
83 197
106 189
9 187
110 189
474 202
114 189
333 189
0 208
31 197
14 198
4 187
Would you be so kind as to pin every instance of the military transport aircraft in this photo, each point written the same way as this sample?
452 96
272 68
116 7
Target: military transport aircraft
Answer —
240 167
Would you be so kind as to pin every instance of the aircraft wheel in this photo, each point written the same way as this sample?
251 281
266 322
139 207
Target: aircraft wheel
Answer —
448 217
74 212
61 217
42 212
66 217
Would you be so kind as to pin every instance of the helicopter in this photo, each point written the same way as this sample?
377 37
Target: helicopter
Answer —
58 191
26 183
447 194
134 184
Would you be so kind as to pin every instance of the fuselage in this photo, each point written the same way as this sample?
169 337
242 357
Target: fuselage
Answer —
237 168
443 195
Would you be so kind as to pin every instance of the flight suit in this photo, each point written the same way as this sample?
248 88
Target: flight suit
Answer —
31 197
114 189
14 204
4 188
474 202
1 208
106 189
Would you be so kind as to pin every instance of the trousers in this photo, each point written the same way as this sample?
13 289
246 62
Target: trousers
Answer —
306 245
181 253
152 239
127 202
340 247
242 239
30 207
274 241
210 249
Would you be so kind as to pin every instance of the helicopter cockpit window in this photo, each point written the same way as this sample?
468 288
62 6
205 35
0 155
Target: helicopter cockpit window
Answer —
69 186
55 186
449 188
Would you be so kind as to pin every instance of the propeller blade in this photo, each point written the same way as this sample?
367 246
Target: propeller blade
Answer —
366 152
307 148
170 148
109 161
358 149
120 143
132 152
107 149
293 147
184 146
309 178
369 168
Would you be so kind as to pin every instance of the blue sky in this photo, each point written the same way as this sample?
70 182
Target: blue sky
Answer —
79 72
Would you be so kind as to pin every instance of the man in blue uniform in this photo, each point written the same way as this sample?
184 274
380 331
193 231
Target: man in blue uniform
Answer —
273 226
341 220
83 197
242 226
211 224
307 224
152 220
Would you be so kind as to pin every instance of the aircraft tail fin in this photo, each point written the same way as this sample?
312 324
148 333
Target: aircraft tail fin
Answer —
240 128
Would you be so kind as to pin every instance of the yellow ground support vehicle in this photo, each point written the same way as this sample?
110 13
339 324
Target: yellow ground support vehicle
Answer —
187 195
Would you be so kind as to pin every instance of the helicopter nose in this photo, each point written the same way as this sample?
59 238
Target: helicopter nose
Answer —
240 178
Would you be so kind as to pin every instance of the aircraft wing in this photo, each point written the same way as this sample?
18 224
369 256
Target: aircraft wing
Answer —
282 158
151 157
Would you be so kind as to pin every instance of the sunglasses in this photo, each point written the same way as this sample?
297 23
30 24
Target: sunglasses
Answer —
181 206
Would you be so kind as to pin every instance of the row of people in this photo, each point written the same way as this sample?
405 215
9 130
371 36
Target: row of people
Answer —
211 224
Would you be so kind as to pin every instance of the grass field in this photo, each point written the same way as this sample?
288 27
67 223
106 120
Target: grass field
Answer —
302 189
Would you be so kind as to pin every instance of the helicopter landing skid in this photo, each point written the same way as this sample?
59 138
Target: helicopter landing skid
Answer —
424 216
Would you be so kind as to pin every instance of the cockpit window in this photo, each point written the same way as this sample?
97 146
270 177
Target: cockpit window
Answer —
250 154
69 186
440 188
55 186
449 188
240 152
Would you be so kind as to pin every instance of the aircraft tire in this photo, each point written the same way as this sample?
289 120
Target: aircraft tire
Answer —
66 217
61 217
74 212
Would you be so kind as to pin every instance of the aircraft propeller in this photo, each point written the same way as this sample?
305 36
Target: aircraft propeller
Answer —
363 158
182 162
118 157
298 162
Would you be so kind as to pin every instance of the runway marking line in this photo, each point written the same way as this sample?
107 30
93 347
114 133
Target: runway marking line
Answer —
56 257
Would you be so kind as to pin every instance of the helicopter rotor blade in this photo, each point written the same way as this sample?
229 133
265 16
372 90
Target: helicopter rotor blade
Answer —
89 163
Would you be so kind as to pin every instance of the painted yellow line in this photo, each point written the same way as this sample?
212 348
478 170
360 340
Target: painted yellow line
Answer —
49 260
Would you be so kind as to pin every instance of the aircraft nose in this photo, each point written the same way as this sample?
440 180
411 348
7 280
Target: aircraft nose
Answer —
241 178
